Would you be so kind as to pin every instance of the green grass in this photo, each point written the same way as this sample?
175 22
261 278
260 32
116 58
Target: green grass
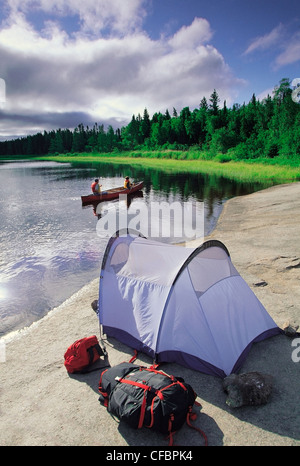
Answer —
265 171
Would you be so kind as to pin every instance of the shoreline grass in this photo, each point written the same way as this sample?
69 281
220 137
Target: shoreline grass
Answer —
247 171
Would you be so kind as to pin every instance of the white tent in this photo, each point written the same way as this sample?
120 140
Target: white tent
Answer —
177 304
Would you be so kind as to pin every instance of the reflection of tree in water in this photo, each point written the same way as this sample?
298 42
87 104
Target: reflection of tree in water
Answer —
200 185
98 208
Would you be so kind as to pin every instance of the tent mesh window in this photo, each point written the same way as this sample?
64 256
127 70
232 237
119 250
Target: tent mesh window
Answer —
209 267
119 257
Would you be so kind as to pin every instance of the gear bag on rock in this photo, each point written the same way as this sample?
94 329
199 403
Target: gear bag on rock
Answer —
82 354
147 397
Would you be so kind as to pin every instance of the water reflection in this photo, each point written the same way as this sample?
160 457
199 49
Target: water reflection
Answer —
211 190
99 206
201 186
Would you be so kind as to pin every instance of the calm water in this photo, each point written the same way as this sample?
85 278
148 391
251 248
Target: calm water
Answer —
49 243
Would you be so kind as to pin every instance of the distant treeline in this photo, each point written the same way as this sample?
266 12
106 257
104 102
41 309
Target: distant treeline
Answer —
266 128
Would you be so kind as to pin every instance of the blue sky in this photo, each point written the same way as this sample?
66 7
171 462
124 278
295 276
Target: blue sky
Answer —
66 62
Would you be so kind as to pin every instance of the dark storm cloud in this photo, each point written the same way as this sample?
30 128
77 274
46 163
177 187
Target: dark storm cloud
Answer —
18 125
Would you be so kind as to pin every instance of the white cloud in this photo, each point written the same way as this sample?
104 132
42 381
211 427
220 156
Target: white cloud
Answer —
285 45
266 41
291 53
265 93
197 33
120 16
104 77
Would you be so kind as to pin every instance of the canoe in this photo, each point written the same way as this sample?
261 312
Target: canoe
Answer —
110 194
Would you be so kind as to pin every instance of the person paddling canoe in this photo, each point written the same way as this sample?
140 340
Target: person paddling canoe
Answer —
127 183
96 187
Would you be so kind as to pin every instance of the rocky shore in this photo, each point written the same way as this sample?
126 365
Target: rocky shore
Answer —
42 405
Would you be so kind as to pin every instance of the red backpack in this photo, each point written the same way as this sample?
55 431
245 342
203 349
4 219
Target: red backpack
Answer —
82 354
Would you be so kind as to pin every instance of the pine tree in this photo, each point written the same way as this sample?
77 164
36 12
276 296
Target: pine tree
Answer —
145 125
203 103
214 101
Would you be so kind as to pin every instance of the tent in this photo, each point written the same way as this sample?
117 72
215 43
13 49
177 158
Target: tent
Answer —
178 304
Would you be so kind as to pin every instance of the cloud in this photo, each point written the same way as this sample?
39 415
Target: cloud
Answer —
197 33
266 41
15 125
265 93
283 43
18 124
103 72
291 53
119 16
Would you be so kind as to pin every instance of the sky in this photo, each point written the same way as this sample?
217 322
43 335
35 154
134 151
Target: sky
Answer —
67 62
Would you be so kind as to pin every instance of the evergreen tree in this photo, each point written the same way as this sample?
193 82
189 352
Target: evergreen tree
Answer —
101 139
214 102
203 103
56 143
167 115
79 142
145 125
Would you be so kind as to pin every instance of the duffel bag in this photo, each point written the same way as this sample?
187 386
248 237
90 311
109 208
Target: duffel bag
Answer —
147 397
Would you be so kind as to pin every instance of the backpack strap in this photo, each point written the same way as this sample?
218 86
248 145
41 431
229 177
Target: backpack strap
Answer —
133 357
161 396
146 388
102 392
192 416
171 432
91 353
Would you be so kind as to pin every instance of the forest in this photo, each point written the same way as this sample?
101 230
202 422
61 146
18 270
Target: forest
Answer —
260 129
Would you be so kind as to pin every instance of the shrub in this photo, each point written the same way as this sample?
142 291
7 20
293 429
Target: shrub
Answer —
223 158
273 151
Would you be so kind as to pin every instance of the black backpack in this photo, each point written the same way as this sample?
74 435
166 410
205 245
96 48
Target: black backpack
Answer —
147 397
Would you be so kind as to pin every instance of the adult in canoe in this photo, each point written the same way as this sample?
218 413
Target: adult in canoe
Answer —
127 183
113 193
96 186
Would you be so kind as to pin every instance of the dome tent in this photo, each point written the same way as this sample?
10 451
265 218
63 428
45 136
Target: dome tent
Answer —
177 304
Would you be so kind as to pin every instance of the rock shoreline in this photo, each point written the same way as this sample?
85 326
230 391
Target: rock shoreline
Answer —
42 405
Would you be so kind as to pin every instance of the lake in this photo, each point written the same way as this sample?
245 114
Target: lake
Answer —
51 246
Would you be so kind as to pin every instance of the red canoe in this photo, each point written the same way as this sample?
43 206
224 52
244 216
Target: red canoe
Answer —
110 194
